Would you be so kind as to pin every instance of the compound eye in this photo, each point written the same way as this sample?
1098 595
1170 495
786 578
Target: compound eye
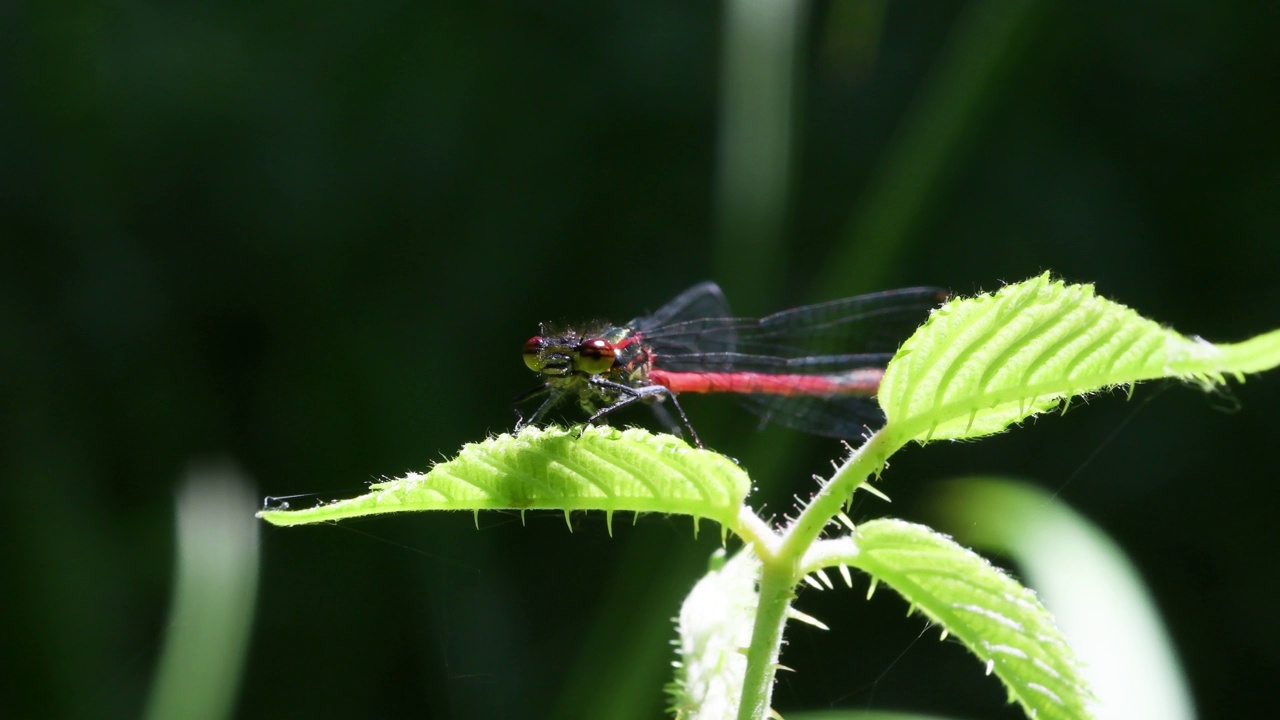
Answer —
594 356
533 348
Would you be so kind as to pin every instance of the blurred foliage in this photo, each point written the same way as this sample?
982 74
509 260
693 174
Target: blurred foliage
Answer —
313 237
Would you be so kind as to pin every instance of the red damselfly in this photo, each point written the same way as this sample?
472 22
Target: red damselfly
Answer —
815 368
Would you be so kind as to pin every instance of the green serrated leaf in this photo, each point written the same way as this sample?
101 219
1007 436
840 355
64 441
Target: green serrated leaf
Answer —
1097 595
981 364
714 627
556 469
994 616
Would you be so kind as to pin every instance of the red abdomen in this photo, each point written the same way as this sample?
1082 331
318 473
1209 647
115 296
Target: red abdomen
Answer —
862 381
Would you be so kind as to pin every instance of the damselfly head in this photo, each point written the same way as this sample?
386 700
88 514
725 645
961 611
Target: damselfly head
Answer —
567 355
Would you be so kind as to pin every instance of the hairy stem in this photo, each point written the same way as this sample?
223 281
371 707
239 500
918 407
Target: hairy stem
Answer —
777 590
781 569
831 498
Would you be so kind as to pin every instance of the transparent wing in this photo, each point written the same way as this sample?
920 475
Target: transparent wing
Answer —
702 301
830 338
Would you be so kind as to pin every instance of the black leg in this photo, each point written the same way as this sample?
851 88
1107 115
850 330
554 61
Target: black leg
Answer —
629 395
697 441
538 414
666 419
632 395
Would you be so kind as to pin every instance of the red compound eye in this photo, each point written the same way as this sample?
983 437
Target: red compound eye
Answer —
594 356
533 357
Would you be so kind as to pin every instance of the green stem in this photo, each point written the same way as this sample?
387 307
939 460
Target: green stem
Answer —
781 568
757 533
777 590
831 498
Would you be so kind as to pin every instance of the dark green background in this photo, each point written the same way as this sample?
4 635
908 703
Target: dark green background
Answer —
312 238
